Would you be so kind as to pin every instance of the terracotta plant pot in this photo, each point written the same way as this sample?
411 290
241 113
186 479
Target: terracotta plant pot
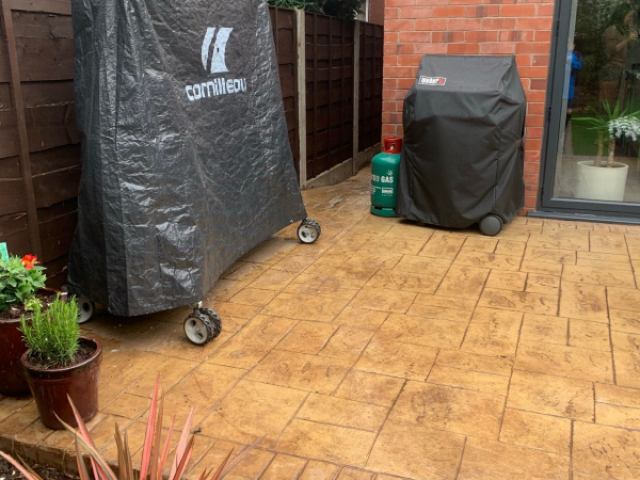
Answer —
50 388
13 382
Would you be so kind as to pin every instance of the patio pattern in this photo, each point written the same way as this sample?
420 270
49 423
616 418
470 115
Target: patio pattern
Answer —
389 350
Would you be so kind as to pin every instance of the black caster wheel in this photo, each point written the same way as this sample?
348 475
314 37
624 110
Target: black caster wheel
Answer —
200 329
309 231
85 310
215 320
491 225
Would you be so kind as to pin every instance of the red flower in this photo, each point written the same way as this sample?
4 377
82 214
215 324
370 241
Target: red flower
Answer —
29 261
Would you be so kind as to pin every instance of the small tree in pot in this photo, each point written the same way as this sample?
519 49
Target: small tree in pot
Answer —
21 288
60 364
599 180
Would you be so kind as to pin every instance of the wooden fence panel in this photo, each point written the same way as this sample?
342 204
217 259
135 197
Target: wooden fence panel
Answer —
329 92
44 45
371 73
283 25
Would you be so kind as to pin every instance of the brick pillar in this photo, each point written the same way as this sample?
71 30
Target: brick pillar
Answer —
417 27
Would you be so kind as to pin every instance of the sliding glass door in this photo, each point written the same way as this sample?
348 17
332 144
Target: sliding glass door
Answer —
592 161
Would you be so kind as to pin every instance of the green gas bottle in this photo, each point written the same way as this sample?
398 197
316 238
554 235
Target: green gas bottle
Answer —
384 178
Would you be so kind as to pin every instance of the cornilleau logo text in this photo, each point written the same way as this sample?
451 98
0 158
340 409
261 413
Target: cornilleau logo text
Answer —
214 61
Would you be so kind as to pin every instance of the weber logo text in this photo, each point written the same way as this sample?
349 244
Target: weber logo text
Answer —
438 81
214 61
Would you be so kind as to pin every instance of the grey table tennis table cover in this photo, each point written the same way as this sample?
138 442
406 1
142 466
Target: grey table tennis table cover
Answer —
185 150
463 153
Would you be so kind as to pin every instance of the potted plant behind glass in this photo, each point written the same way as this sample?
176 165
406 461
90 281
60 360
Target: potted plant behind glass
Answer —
598 180
60 364
21 285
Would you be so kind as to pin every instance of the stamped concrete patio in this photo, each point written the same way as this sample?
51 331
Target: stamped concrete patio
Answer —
388 350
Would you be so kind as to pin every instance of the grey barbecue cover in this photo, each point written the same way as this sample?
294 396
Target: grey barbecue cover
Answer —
185 150
463 148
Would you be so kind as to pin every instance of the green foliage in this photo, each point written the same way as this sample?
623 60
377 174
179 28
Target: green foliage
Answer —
345 9
18 284
52 335
599 120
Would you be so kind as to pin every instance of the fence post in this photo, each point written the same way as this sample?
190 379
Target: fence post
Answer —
302 93
356 94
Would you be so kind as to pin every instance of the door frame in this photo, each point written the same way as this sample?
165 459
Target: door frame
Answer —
546 203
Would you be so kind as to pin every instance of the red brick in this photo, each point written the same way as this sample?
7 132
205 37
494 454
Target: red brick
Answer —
516 36
431 24
432 2
410 60
392 95
538 84
536 96
401 25
399 3
482 11
465 2
415 37
517 10
406 48
497 48
432 48
389 83
448 12
465 24
391 48
399 72
523 60
531 155
546 10
498 23
390 37
533 47
447 37
416 12
543 36
534 121
405 84
390 60
531 182
534 144
530 202
535 108
463 48
477 36
389 129
533 72
541 60
543 23
534 132
525 83
391 13
531 168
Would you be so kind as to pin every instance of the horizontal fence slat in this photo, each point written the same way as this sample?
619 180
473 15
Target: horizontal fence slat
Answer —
62 7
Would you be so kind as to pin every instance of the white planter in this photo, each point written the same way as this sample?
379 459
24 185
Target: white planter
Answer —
601 183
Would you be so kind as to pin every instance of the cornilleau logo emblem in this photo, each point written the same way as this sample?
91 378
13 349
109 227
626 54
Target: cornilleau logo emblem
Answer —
218 64
213 57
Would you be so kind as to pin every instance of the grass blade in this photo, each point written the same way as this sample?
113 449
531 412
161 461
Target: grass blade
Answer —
120 448
184 461
167 447
97 472
155 451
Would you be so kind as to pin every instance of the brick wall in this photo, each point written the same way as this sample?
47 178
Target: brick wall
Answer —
376 11
491 27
